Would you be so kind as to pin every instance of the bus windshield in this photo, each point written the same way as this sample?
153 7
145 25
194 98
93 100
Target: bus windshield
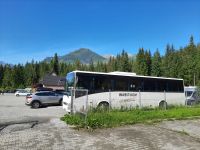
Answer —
70 80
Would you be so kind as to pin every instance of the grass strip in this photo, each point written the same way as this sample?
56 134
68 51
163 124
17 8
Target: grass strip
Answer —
114 118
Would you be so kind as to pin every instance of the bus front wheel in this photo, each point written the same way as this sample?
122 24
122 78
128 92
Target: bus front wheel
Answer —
103 106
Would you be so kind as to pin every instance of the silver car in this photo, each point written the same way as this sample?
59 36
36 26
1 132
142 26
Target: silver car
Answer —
39 99
21 93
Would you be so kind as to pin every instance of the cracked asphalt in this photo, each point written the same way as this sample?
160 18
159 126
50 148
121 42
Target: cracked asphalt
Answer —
24 128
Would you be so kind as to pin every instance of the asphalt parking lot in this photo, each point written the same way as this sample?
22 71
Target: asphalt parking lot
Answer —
14 109
24 128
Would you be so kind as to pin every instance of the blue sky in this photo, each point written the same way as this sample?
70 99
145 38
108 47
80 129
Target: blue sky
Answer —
35 29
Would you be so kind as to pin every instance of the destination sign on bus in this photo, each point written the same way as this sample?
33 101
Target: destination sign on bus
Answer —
127 94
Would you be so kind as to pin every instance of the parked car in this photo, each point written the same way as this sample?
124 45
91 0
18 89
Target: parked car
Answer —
42 98
21 93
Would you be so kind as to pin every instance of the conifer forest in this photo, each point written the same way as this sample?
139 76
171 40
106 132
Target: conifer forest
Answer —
176 63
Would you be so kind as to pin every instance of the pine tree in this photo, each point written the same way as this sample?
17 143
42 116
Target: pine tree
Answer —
91 65
125 62
118 63
7 78
156 64
37 73
191 41
168 61
1 74
18 77
30 73
190 57
56 64
77 65
148 62
44 68
141 63
110 64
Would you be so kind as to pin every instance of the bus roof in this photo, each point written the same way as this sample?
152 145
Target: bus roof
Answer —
128 74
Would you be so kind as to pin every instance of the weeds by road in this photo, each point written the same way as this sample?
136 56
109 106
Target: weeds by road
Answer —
113 118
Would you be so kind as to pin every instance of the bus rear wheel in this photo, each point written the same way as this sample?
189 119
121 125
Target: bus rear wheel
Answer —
163 104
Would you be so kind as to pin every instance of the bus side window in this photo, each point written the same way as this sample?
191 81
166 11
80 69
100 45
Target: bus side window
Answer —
112 85
140 86
161 86
98 84
121 84
149 85
132 86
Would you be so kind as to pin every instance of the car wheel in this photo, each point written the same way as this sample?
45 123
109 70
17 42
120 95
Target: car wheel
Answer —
17 95
35 104
61 102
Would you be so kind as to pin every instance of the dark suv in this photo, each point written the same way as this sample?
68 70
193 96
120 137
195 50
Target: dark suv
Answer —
39 99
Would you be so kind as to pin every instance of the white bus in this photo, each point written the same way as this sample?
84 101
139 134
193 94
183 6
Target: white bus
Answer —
124 89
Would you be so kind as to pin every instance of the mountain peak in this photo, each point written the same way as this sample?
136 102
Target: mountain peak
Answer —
82 50
84 55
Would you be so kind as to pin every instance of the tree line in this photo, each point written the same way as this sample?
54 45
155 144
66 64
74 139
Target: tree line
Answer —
175 63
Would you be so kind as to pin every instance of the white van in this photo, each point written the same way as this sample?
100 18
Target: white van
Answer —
192 95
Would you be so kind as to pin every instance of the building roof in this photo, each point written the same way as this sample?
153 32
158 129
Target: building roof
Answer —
53 80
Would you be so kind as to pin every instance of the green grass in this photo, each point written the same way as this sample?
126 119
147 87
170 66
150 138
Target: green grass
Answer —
114 118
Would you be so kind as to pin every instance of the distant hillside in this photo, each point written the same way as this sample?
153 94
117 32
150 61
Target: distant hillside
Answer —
2 63
84 55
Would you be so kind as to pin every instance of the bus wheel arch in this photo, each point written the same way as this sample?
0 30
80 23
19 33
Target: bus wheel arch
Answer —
103 105
162 104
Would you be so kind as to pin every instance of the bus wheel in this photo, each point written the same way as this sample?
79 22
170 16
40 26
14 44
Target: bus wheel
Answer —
163 104
103 106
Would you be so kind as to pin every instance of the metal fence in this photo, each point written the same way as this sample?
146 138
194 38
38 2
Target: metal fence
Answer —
81 104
